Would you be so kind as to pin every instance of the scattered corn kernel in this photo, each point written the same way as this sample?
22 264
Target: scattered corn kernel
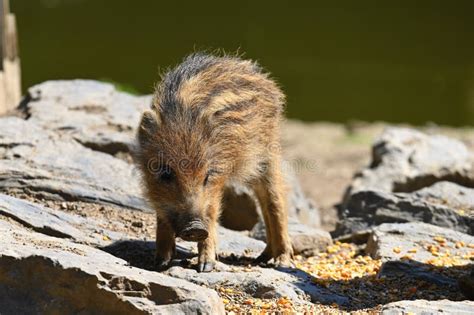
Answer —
248 302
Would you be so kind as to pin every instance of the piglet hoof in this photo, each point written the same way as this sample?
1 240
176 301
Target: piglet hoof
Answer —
206 266
161 264
283 261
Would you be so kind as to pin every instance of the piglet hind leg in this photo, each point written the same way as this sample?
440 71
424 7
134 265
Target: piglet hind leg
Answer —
267 254
271 193
165 245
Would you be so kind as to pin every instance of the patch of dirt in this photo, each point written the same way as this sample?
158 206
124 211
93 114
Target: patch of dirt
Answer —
136 224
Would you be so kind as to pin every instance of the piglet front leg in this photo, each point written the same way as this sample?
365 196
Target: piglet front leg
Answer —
207 249
165 245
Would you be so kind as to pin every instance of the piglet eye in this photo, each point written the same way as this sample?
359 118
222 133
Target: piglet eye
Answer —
166 175
206 180
209 176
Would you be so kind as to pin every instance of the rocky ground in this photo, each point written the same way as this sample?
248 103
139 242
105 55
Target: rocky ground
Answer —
77 236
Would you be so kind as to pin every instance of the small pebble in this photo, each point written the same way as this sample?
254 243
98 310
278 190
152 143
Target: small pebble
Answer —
137 224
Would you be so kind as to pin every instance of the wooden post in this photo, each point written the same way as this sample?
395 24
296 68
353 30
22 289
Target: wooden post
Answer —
10 75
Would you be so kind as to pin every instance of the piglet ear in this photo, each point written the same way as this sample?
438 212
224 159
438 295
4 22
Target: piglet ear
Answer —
148 127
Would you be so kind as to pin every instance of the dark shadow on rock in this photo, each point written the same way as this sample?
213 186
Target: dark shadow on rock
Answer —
424 181
141 254
237 260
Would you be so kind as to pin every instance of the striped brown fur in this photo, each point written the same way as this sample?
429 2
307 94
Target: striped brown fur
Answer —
214 120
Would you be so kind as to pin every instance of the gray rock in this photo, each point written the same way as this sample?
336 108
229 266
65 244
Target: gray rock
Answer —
232 242
46 165
93 113
43 274
405 160
386 237
306 240
424 307
444 204
404 251
57 223
448 194
263 283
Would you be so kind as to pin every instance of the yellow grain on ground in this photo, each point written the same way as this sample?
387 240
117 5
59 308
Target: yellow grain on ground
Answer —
343 270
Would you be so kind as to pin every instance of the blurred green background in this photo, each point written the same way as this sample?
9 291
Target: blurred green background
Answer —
397 61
